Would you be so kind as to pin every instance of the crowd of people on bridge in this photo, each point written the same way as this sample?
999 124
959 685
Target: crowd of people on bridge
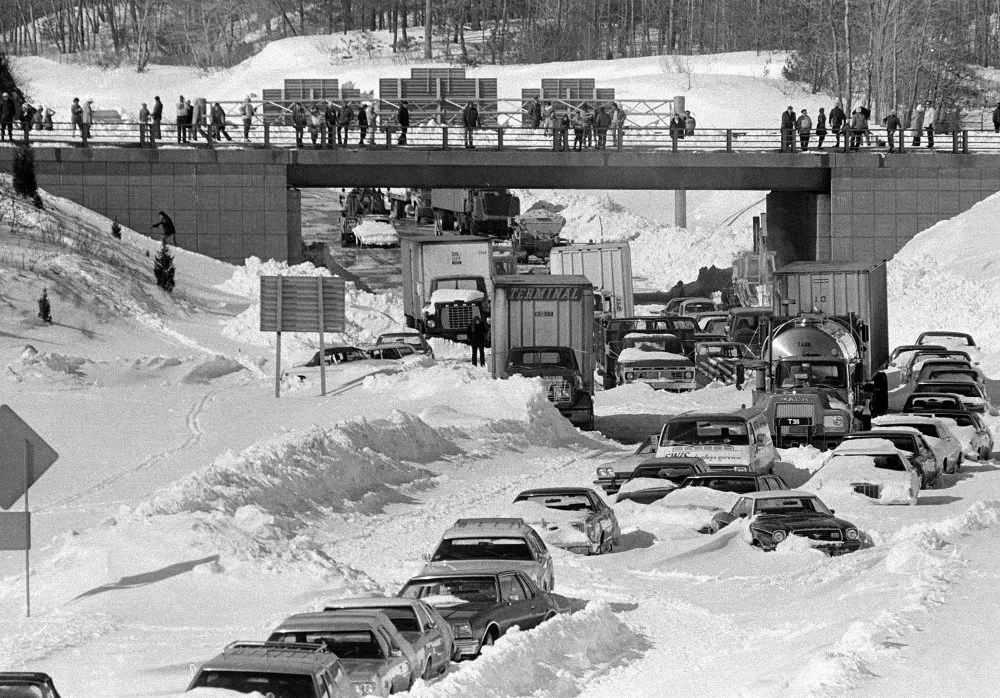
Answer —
856 129
15 109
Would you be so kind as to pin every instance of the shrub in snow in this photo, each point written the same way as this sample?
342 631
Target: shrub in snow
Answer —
23 171
44 309
116 230
163 269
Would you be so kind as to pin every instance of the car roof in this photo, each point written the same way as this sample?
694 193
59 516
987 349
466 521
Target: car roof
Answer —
743 474
870 446
905 417
339 347
878 431
477 527
370 602
283 657
390 345
362 619
555 490
779 494
672 460
451 574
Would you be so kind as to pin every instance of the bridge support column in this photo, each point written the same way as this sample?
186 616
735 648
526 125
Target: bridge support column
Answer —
294 226
680 208
793 225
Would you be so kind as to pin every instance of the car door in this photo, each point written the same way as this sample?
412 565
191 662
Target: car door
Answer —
399 667
431 638
515 608
546 578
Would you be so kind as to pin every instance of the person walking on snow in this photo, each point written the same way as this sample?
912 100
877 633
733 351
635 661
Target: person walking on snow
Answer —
804 125
930 116
478 331
166 224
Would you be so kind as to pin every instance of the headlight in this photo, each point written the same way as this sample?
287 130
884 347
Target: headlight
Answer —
629 375
462 629
833 421
851 534
578 382
605 472
778 536
593 530
431 323
366 688
688 375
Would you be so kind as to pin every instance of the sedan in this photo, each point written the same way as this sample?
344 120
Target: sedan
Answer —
610 477
411 338
946 337
776 515
482 606
419 623
655 478
940 438
334 356
970 430
389 352
29 684
574 518
737 481
872 467
922 455
972 394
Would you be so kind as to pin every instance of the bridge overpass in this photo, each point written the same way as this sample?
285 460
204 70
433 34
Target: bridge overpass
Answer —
232 203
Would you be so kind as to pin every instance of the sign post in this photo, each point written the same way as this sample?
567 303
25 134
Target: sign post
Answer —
302 304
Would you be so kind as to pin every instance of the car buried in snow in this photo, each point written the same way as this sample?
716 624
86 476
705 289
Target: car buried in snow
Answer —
972 433
377 659
774 516
574 518
419 623
737 481
922 455
654 479
26 684
872 467
947 338
473 544
334 356
610 477
973 396
389 352
412 338
937 432
657 360
481 606
917 359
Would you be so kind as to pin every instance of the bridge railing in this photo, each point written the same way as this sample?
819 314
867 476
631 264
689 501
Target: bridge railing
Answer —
438 137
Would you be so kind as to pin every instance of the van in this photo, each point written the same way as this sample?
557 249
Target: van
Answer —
724 440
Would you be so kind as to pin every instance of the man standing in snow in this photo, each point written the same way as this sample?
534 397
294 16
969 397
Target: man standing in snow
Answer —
477 339
247 111
837 119
7 117
143 124
804 125
470 119
403 119
167 225
917 124
930 116
157 117
788 129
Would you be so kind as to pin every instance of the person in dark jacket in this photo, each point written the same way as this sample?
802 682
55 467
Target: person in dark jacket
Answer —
143 124
363 123
156 116
996 119
602 122
7 117
532 113
578 130
299 121
330 116
676 127
470 120
837 119
588 125
866 112
804 126
219 123
166 224
403 120
344 120
820 128
892 125
562 137
76 115
478 332
788 129
27 117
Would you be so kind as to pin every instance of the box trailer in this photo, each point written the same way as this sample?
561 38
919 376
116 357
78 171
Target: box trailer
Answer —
607 265
446 283
543 326
475 211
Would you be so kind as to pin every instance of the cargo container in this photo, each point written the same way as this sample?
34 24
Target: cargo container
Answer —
446 283
475 211
839 289
543 326
607 265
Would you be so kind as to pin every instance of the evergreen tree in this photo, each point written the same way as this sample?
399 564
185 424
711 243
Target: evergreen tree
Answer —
163 269
44 309
25 182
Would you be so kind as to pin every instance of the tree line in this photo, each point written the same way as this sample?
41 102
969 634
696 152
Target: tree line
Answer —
890 53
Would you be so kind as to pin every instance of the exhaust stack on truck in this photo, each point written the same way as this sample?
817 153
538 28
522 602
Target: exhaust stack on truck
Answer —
543 326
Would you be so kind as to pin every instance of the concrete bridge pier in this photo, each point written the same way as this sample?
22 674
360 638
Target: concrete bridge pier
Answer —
680 208
798 226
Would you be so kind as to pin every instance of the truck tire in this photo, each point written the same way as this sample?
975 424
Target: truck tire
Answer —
609 380
410 322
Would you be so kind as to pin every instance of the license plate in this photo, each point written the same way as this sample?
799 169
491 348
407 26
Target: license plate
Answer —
462 337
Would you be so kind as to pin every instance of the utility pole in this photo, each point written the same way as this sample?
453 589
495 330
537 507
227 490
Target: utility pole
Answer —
427 30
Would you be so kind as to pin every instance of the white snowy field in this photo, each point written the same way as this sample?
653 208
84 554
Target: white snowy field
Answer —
190 508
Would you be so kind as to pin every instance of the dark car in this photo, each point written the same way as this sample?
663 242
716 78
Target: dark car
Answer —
737 481
610 478
583 510
897 352
918 358
973 397
776 515
482 606
933 402
27 684
673 471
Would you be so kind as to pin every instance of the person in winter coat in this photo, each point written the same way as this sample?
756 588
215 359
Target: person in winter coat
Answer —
892 124
299 121
197 120
143 124
330 116
75 115
548 119
804 126
532 113
837 119
676 127
166 224
86 120
930 116
478 331
315 124
363 122
917 124
38 120
182 135
788 129
156 116
471 121
7 117
403 120
189 120
47 120
858 127
27 118
689 123
866 112
579 127
996 119
372 123
219 123
602 122
562 137
617 124
820 128
344 120
247 111
588 125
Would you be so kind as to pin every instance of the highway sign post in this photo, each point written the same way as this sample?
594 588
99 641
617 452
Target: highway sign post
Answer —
24 457
301 304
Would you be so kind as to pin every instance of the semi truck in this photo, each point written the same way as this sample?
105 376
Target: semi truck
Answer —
543 327
446 283
488 212
609 268
411 204
820 358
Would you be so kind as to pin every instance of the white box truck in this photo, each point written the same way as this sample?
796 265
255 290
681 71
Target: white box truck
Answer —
607 265
446 283
543 327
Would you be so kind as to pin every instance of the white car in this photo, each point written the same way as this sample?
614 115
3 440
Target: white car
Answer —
871 467
335 356
937 432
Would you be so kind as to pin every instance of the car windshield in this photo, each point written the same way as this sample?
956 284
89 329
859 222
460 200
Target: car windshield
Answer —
471 284
791 506
403 617
409 339
880 461
665 343
482 549
925 429
698 307
792 373
667 472
726 351
471 589
965 389
952 375
346 644
542 357
560 502
706 431
739 485
259 682
16 688
904 442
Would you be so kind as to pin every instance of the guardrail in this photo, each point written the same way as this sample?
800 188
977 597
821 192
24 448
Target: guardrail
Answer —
434 137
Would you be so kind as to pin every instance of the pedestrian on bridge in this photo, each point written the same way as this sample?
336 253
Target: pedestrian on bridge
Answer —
837 120
562 138
602 122
617 124
299 120
866 111
804 125
917 124
156 116
548 119
181 107
75 115
87 120
143 124
820 128
676 128
588 125
788 129
532 113
330 116
247 111
471 121
344 120
219 123
689 123
47 123
892 125
363 123
315 124
858 127
372 122
403 120
996 119
930 116
27 119
579 127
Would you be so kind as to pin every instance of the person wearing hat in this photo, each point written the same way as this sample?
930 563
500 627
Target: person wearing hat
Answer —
6 117
403 120
86 120
788 129
804 126
930 116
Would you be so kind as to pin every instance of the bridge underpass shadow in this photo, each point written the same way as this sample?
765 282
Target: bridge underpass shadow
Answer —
629 428
147 578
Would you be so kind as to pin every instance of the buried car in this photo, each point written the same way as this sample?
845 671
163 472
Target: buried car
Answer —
418 622
928 462
27 684
972 395
655 478
970 430
411 338
333 356
377 659
574 518
610 477
738 481
773 516
874 468
937 432
482 606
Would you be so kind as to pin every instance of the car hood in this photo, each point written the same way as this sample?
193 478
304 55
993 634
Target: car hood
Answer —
527 566
800 522
467 611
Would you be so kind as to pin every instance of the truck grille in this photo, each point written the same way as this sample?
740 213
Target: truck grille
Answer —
457 317
820 534
793 409
557 389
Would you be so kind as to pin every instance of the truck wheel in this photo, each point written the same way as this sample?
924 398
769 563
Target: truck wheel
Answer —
609 380
410 322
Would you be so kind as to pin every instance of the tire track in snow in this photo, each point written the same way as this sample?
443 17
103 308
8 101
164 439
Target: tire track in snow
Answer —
193 423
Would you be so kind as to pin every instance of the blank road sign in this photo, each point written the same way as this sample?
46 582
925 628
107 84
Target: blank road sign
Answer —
301 303
15 530
14 432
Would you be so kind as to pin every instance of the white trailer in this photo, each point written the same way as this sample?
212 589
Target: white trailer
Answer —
608 266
